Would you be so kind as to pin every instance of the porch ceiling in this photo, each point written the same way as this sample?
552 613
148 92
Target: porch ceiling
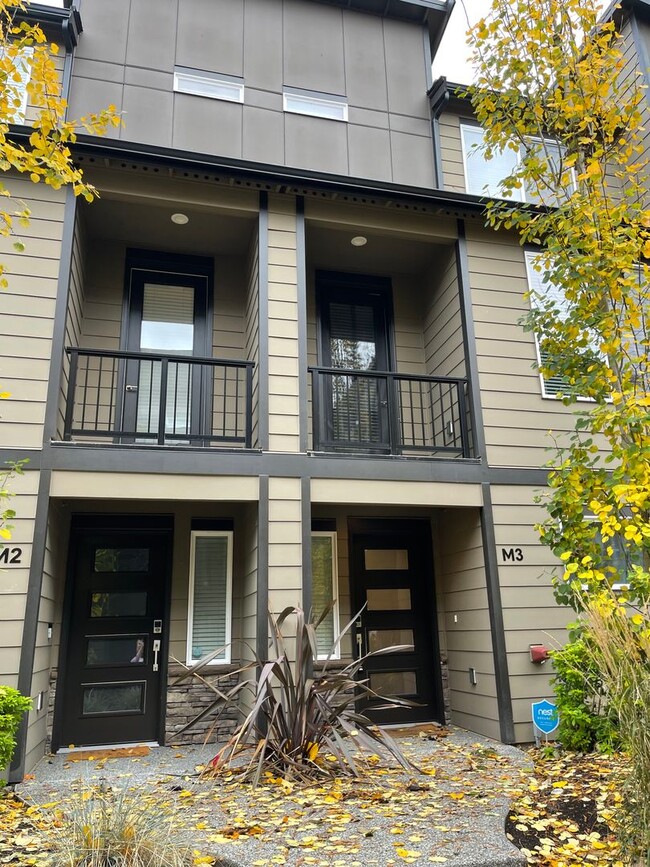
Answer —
149 225
331 249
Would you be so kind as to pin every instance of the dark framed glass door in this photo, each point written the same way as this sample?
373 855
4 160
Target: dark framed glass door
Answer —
355 319
167 315
115 654
392 577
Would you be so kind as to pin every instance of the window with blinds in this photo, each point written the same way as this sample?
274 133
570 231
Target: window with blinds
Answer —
324 591
167 327
539 288
16 84
353 346
483 177
210 594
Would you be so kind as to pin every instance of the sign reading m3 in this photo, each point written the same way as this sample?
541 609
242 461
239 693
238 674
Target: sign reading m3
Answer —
512 555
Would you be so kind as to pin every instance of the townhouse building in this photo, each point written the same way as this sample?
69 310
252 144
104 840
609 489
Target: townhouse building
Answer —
277 362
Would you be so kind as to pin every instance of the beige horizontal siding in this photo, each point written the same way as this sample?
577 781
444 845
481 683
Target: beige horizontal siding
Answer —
451 152
284 423
153 486
468 637
530 613
27 312
517 418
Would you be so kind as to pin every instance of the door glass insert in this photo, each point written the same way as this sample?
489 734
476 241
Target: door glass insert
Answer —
355 399
128 604
389 559
394 682
167 327
121 560
116 650
105 698
378 639
397 599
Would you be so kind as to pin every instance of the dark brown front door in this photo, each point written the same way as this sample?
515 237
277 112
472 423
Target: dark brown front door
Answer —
393 578
115 656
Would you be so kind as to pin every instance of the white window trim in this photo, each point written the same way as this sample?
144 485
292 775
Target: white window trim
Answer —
196 82
518 193
315 101
194 535
331 534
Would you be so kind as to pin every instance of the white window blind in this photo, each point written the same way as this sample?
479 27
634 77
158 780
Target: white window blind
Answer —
17 89
209 84
210 598
167 327
315 104
540 289
324 591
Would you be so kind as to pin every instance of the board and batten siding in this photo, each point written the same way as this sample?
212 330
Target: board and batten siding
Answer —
530 613
127 55
462 582
27 312
516 417
284 421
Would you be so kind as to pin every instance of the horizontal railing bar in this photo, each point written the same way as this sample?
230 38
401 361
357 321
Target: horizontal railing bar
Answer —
152 356
387 374
152 435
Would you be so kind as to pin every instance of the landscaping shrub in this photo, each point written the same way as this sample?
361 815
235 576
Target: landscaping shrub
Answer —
12 707
303 725
587 719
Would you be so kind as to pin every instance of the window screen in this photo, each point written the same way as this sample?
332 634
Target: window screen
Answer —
323 566
210 594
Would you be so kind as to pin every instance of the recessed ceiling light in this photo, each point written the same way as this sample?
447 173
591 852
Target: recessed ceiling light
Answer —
359 241
180 219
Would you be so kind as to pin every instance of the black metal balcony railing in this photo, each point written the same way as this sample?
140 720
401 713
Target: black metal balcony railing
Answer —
154 399
389 413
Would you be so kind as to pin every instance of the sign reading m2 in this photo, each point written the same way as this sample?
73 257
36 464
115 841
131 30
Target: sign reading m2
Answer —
11 556
512 555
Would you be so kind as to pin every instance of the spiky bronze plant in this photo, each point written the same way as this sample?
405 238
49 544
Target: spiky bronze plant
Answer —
302 725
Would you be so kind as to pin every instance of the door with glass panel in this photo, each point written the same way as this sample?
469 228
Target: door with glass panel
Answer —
164 398
392 577
354 335
115 650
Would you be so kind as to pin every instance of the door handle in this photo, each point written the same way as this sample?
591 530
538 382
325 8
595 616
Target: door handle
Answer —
156 651
131 388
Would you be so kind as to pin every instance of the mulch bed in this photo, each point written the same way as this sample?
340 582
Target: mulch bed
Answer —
566 814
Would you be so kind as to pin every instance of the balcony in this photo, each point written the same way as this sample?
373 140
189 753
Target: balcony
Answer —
382 412
148 398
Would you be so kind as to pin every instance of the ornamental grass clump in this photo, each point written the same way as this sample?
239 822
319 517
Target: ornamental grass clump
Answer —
101 827
302 726
621 649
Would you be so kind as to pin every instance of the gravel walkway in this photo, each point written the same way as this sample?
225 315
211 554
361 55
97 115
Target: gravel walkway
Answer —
452 814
